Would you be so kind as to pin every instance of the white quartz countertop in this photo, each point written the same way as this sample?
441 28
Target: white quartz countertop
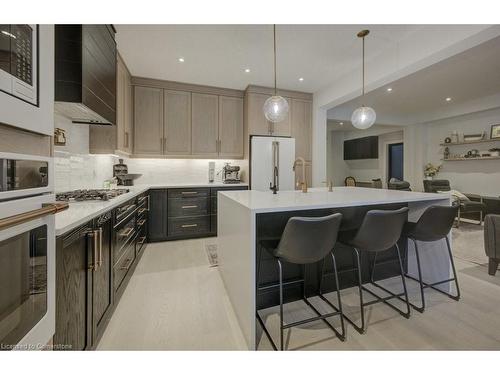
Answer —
79 213
258 201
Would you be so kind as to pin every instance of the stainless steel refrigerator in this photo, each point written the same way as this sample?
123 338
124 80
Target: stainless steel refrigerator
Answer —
271 163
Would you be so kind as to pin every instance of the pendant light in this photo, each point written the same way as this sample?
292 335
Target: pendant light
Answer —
276 107
363 117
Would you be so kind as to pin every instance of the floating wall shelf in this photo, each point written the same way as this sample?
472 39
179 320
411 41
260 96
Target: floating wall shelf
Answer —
477 158
470 142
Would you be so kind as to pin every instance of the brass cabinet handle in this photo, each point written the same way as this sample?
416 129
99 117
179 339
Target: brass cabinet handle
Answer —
189 225
100 247
47 209
95 237
126 232
191 206
142 210
189 192
141 222
142 240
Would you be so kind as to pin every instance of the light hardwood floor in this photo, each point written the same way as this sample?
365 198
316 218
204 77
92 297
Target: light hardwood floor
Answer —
176 301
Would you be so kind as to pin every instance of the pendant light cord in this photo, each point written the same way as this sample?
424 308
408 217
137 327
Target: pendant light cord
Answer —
363 68
274 34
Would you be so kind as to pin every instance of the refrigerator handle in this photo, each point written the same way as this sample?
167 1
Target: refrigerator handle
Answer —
274 186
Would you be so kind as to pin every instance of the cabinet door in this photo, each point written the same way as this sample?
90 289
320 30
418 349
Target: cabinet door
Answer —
73 286
284 128
177 112
101 285
230 127
148 121
205 124
301 117
257 122
121 87
157 217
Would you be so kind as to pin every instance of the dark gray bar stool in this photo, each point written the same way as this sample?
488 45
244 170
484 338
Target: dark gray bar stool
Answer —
434 225
305 240
379 231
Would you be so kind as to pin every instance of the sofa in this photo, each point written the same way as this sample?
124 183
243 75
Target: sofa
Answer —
492 242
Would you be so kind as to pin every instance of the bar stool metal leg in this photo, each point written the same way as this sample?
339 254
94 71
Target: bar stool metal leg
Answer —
420 282
457 297
360 329
424 284
341 335
281 302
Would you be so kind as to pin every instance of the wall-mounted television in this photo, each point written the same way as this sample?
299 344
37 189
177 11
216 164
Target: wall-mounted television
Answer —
361 148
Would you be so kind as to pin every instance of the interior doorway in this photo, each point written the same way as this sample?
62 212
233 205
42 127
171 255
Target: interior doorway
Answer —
395 152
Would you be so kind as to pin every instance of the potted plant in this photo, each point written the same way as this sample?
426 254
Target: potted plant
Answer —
431 170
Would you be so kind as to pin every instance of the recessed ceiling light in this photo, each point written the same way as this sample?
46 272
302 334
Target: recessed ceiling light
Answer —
181 59
247 70
389 89
448 99
341 123
301 79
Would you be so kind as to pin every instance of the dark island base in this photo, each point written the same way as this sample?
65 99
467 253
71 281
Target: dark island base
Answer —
271 226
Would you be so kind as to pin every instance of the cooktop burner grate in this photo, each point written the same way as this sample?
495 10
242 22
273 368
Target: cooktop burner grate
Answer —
90 195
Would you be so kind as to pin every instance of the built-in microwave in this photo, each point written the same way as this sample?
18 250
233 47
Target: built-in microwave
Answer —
19 61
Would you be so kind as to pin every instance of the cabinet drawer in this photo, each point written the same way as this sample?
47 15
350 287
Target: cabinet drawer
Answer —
187 193
124 263
140 241
187 207
188 226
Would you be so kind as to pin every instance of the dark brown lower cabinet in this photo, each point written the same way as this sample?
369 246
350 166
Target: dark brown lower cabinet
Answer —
73 290
88 280
102 277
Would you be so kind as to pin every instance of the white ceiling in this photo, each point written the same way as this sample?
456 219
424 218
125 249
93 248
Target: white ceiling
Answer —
420 97
217 55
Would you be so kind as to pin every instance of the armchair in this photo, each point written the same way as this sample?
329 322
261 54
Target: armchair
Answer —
466 205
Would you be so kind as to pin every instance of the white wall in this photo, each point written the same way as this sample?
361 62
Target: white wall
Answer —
474 176
76 169
362 170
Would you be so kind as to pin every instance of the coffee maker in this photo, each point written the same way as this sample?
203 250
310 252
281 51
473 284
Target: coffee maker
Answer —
231 174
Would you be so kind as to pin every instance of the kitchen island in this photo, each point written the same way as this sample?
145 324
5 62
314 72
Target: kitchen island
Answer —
246 217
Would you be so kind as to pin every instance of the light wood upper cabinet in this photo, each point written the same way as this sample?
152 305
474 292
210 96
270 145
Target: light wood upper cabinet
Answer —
148 121
177 122
284 128
257 122
105 139
123 107
301 121
230 127
205 125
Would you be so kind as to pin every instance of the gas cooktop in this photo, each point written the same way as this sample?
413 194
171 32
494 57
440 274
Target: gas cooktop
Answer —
90 195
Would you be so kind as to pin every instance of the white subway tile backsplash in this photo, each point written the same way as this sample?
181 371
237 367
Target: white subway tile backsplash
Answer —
80 171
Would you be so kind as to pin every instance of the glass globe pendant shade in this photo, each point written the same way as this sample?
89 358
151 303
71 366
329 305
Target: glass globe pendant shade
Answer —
275 108
363 117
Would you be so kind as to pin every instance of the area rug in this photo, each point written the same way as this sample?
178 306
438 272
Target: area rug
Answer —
468 243
211 250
